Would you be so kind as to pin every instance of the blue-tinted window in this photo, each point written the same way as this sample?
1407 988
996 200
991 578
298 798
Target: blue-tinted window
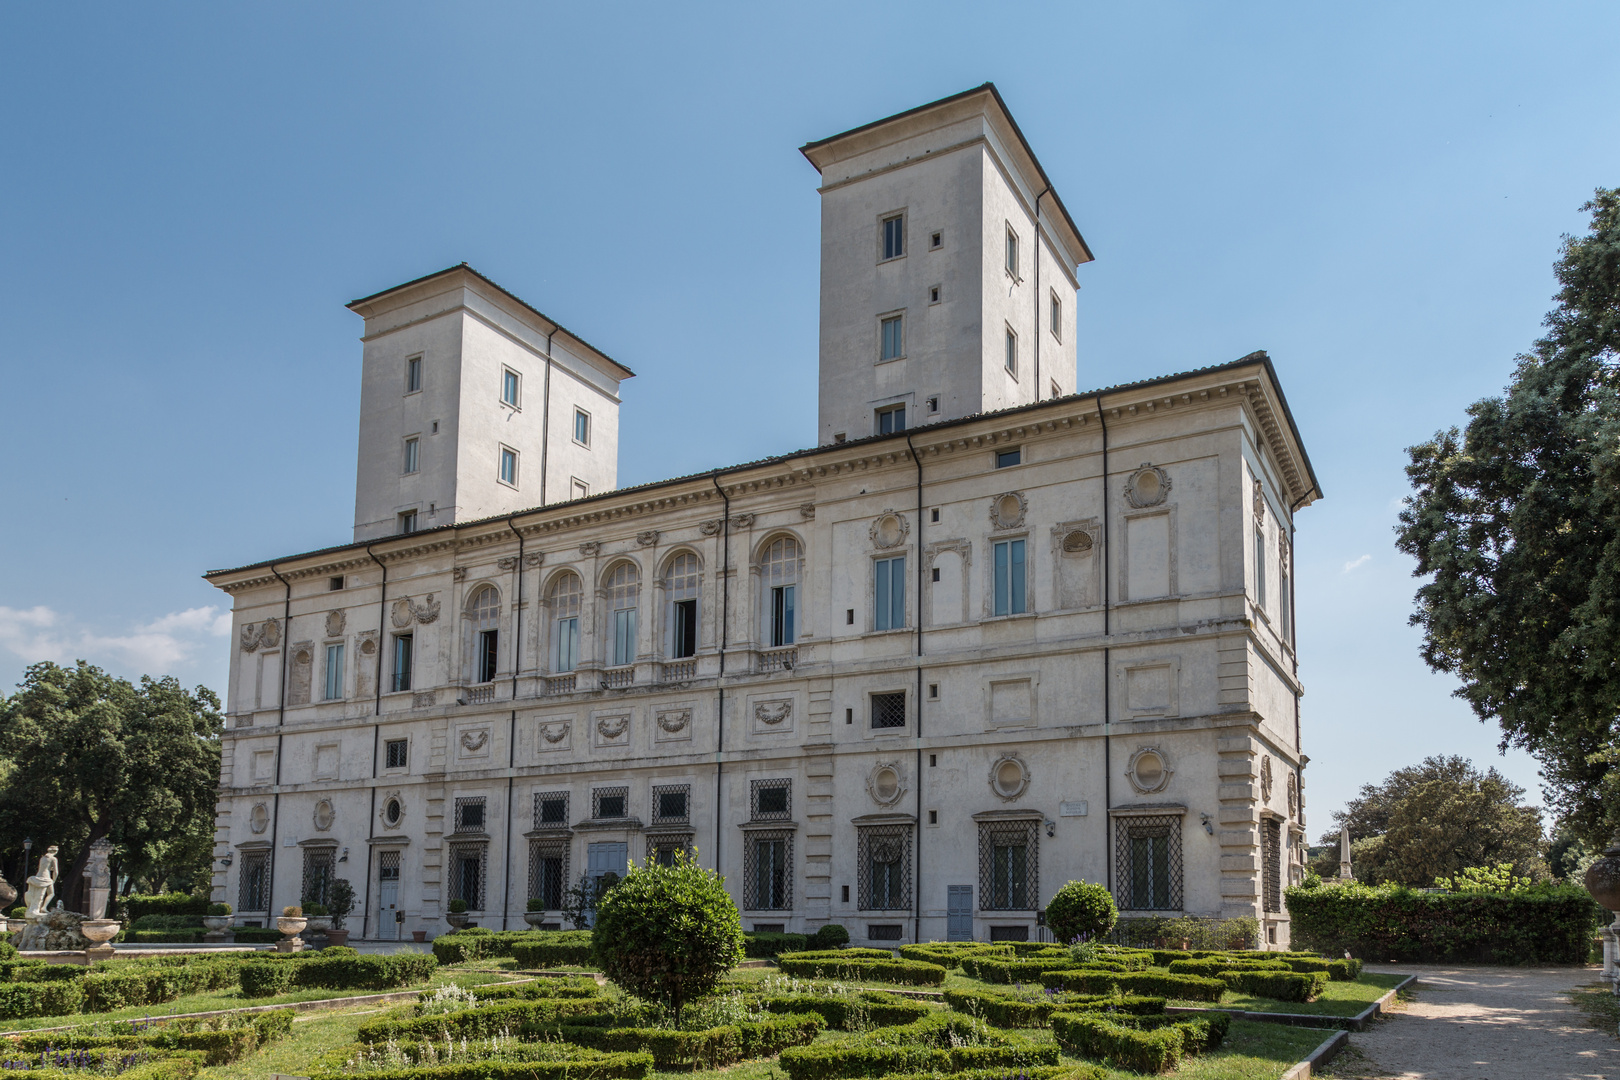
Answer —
1010 578
894 338
889 588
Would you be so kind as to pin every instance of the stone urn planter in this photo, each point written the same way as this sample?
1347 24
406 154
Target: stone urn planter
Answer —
535 918
318 924
1603 882
456 919
217 927
290 927
99 932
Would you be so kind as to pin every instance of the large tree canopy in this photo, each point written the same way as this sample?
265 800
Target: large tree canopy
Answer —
1435 819
1516 522
95 756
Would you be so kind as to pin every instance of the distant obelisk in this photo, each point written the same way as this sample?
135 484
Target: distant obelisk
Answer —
1344 854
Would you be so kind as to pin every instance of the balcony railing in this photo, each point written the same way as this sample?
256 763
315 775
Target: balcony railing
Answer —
782 659
615 678
481 695
560 684
680 671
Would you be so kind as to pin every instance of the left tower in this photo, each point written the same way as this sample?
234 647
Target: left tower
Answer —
472 404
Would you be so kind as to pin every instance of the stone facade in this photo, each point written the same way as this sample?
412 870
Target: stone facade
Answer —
909 683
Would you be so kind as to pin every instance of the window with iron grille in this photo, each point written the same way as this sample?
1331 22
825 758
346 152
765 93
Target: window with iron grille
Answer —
550 809
883 853
1271 863
548 872
470 814
771 800
388 866
317 875
768 871
467 874
398 753
610 802
1147 852
661 849
889 710
255 891
883 932
671 803
1009 865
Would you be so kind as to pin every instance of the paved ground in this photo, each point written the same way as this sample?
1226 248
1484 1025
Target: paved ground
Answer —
1485 1023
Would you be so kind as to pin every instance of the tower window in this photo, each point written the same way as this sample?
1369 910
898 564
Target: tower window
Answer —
894 236
582 427
509 387
933 404
933 294
894 338
936 240
509 466
407 522
1012 253
581 489
1056 322
891 419
1012 353
413 374
412 454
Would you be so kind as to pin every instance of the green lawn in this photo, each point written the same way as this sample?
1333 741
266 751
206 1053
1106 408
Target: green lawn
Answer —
233 999
1339 999
311 1035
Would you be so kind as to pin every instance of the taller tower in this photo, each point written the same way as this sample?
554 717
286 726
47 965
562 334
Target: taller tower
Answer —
472 403
947 269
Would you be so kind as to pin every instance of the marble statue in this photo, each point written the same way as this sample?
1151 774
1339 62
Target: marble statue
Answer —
100 877
1344 855
42 886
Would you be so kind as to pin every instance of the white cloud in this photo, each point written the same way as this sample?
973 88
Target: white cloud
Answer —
153 647
1356 563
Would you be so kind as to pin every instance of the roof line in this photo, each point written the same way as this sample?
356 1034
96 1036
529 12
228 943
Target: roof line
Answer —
990 86
1258 356
504 291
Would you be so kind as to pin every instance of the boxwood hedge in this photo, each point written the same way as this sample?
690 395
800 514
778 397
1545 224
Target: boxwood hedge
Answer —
1149 1044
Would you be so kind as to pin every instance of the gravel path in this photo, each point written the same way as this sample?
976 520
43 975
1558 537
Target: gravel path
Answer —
1485 1023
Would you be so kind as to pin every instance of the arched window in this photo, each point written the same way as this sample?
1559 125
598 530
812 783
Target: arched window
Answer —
681 583
623 593
484 614
780 569
564 598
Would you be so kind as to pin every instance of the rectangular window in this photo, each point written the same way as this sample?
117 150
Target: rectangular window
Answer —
883 853
894 236
567 644
470 814
1009 870
255 893
1271 864
1285 600
413 374
772 800
891 419
894 338
613 802
782 615
334 672
334 583
889 710
1056 317
933 294
397 753
550 809
509 463
403 655
936 240
1011 597
889 593
1006 458
582 427
1012 353
767 878
412 457
581 489
1260 568
670 804
548 872
624 637
407 522
317 876
467 874
1057 391
1148 852
509 387
1012 253
685 643
488 647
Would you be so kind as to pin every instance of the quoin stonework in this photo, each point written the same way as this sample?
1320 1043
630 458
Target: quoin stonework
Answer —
992 633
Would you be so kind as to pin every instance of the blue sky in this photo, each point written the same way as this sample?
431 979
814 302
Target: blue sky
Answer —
190 193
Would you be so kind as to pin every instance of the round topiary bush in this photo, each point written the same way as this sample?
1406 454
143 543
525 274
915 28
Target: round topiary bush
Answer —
830 937
668 933
1080 911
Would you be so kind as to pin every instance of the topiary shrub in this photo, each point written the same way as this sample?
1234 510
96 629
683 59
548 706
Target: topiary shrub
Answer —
341 895
829 937
1080 911
458 907
219 909
668 933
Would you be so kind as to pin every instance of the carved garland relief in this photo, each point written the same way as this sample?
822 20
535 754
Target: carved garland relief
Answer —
1008 509
773 712
406 609
335 622
266 635
674 720
889 530
1148 486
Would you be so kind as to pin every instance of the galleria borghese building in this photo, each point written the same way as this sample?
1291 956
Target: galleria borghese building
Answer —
993 633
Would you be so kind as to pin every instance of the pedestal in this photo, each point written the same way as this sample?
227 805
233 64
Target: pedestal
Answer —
290 944
99 952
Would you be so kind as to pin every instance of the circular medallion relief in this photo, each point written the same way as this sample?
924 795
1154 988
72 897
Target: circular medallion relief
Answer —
1147 486
889 530
324 815
1148 770
1009 777
1007 510
259 817
884 784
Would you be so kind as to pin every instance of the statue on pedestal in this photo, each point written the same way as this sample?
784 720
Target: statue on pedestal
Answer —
42 886
100 877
